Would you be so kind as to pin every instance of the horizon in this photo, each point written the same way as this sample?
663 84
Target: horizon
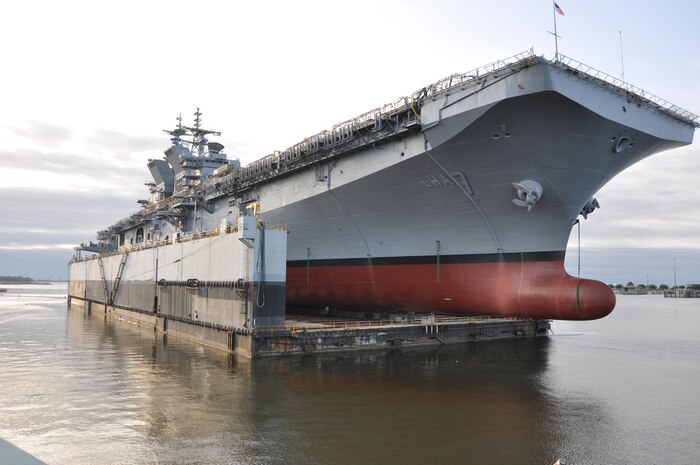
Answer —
610 284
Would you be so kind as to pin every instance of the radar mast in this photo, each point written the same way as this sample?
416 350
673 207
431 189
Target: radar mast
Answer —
199 139
178 132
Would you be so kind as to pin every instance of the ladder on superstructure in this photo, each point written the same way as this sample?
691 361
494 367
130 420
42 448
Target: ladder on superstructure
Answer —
104 279
118 279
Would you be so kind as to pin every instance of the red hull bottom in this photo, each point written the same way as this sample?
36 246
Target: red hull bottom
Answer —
538 289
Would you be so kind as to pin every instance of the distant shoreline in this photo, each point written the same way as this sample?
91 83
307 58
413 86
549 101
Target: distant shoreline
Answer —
33 283
7 280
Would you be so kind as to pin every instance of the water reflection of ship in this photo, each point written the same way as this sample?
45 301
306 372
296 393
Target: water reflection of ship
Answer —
491 403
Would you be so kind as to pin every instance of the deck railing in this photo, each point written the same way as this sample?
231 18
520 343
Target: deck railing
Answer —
617 83
457 80
424 320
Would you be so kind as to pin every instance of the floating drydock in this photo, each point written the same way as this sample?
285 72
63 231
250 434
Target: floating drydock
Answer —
247 315
457 199
214 288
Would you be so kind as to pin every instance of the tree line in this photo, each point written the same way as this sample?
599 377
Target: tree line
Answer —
15 280
653 287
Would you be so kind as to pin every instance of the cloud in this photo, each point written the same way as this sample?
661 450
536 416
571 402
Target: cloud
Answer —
58 197
103 159
650 205
56 161
45 134
16 246
58 170
118 142
648 216
32 217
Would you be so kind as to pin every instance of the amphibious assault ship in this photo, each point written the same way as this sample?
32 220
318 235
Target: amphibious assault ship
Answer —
459 198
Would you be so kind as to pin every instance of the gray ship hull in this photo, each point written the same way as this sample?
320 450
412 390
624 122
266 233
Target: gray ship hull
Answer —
435 218
453 203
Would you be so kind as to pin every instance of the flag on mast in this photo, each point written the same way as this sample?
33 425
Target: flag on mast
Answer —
558 9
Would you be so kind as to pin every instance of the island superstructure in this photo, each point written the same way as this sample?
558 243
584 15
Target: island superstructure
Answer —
459 198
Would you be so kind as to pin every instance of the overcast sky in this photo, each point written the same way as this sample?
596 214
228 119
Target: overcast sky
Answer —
87 87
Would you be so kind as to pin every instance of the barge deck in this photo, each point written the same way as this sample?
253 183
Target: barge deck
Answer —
312 334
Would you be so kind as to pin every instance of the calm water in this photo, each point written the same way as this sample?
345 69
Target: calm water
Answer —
623 390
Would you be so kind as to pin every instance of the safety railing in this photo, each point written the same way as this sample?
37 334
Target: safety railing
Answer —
457 80
425 320
184 237
600 76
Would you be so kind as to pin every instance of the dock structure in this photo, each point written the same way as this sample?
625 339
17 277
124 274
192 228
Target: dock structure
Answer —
682 293
211 287
316 335
304 334
236 302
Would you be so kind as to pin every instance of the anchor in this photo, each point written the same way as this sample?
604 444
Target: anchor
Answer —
529 193
588 208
